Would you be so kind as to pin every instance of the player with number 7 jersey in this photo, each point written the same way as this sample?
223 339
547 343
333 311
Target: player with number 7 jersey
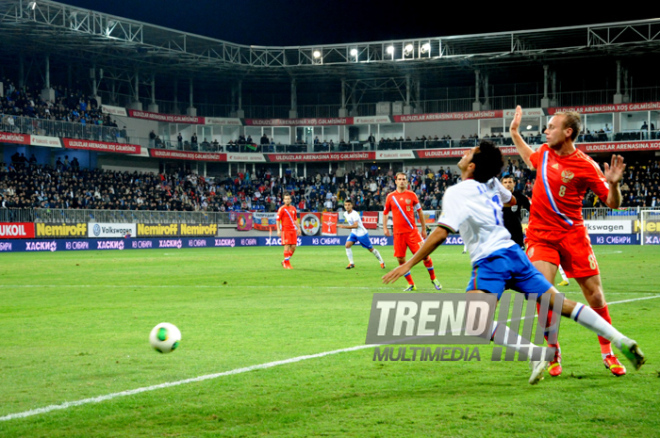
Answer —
403 204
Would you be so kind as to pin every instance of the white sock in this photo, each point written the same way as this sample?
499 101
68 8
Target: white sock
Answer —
349 253
563 274
586 317
502 335
377 255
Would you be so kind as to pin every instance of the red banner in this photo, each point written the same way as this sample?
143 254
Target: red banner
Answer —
592 148
456 152
331 121
6 137
244 222
16 230
608 108
439 117
329 226
169 118
186 155
370 220
328 156
101 146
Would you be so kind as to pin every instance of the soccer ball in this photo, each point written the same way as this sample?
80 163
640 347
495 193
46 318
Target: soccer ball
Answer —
165 337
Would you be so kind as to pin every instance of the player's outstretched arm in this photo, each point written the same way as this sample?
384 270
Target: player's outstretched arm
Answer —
523 148
613 175
437 238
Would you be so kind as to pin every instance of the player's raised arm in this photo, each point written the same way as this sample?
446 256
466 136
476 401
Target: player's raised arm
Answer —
437 238
523 148
613 174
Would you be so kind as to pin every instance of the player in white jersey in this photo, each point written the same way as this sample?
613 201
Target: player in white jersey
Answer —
358 234
474 207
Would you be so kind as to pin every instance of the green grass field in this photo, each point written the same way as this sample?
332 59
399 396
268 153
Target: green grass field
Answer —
75 326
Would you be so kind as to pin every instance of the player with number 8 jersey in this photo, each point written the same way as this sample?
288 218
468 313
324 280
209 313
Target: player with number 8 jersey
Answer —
556 233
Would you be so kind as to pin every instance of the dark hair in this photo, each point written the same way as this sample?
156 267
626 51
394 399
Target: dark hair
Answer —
348 200
287 194
509 175
488 161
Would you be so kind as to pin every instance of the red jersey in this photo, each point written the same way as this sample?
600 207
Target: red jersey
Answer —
287 217
403 207
561 182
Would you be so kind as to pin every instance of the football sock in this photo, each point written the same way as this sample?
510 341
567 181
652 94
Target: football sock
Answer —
563 274
287 255
605 345
349 254
377 255
587 317
429 266
504 336
548 323
408 276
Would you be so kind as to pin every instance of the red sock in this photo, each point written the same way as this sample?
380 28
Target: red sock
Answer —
429 266
605 345
407 276
548 323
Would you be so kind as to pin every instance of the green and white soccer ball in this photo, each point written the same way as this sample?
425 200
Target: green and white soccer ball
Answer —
165 337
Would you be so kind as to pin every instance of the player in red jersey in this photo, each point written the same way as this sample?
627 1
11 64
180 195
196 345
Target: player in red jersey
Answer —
556 233
288 227
403 204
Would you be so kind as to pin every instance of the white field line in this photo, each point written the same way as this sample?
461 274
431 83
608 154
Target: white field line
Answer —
246 286
262 366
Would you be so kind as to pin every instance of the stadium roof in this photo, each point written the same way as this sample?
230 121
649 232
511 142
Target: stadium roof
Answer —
74 35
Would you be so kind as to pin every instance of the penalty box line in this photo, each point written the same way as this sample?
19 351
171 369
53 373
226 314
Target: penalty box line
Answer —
262 366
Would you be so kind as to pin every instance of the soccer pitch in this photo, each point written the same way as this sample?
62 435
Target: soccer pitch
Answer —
75 327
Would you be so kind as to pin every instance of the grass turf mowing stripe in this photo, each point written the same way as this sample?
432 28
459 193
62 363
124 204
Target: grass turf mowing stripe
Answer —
102 398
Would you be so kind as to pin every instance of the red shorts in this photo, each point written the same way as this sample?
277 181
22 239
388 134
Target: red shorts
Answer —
289 237
402 241
570 249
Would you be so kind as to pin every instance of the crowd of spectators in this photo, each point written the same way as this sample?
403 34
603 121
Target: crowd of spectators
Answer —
640 186
81 112
26 184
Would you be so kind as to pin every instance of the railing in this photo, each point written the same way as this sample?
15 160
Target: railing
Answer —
595 214
508 99
386 145
54 128
58 215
